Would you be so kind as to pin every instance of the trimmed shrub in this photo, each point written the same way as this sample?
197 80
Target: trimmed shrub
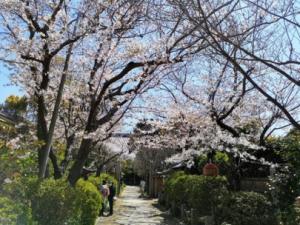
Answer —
55 203
199 192
244 208
175 188
204 193
169 185
90 202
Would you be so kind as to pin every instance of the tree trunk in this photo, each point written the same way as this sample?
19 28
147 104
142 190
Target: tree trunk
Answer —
99 170
42 136
82 156
236 175
68 152
47 147
41 130
56 168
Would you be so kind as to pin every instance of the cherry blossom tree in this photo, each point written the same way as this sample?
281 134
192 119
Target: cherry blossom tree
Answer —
214 109
258 39
93 56
233 86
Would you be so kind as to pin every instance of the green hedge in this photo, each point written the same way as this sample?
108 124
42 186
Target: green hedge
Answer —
209 195
199 192
244 208
29 201
175 188
204 193
170 189
90 202
55 203
20 192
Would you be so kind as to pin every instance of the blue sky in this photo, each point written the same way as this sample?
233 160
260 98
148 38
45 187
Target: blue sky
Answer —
6 88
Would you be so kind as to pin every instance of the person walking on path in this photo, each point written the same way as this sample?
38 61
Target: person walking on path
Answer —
142 188
105 193
111 196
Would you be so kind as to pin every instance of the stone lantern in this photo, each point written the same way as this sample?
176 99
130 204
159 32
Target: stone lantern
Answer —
297 201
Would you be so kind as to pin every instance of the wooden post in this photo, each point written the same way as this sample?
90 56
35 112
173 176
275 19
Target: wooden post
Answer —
182 214
118 174
173 208
193 217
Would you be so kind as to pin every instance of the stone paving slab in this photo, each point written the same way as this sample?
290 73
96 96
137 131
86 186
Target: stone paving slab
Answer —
130 209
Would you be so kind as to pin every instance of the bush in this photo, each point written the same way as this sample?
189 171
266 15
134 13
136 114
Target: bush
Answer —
20 192
55 203
297 215
21 189
209 195
204 193
199 192
14 213
244 208
90 202
285 183
169 187
290 216
16 163
9 211
175 188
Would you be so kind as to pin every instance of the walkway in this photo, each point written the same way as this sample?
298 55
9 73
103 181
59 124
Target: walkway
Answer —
132 210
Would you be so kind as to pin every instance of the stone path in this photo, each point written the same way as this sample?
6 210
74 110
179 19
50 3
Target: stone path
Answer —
132 210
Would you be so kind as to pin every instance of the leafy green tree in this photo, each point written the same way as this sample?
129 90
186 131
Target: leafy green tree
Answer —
285 183
14 106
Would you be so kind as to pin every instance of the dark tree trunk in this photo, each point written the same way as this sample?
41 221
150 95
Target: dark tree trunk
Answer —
99 170
56 168
68 152
84 149
42 136
41 128
54 117
236 176
82 156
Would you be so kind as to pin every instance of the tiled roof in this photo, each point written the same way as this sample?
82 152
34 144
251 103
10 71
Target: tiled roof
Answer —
6 119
